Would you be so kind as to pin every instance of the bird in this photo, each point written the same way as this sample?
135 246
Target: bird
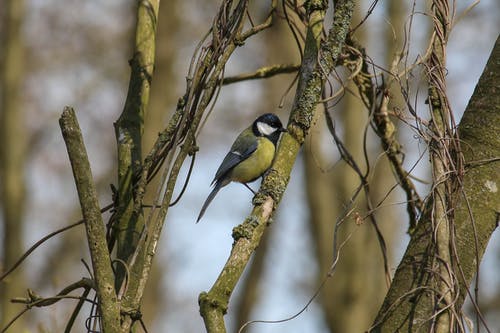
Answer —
250 156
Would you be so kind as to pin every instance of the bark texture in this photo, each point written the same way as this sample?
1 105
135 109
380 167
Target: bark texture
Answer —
109 308
13 138
409 304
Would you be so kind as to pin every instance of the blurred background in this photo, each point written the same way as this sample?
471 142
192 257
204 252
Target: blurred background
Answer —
76 53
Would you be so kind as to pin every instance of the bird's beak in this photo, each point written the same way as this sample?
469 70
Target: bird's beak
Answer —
283 130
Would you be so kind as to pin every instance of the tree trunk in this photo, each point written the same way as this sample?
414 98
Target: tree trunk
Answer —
13 140
161 106
408 306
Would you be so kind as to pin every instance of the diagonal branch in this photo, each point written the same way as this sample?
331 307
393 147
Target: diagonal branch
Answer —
247 236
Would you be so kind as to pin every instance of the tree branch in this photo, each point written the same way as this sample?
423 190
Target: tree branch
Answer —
262 73
96 236
410 303
178 140
214 303
34 300
128 222
129 226
445 165
14 137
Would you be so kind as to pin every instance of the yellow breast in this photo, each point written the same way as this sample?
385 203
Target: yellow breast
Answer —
255 166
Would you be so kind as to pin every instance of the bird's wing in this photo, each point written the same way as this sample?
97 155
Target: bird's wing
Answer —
234 157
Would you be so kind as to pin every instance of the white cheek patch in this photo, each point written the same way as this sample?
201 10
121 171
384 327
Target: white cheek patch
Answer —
265 128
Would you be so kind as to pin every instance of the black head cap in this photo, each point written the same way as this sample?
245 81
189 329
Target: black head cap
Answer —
268 125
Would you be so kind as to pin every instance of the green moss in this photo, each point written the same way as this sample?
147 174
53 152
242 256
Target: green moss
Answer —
245 230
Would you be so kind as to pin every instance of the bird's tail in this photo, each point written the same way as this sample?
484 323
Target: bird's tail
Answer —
218 186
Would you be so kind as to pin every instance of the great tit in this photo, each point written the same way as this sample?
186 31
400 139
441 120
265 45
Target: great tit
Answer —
251 155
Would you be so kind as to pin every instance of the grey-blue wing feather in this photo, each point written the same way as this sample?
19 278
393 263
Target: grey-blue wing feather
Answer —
233 158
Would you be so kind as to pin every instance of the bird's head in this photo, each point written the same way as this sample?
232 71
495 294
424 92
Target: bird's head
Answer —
268 125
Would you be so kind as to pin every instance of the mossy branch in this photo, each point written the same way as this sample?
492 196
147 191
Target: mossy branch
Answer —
178 140
247 236
409 304
128 221
109 307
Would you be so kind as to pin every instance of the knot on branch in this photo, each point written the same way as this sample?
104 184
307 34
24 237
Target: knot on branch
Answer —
260 197
297 130
193 149
31 300
208 300
239 41
134 314
181 102
245 230
274 186
314 5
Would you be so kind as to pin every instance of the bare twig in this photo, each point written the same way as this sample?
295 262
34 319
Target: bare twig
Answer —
384 127
262 73
43 240
34 300
365 186
76 311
